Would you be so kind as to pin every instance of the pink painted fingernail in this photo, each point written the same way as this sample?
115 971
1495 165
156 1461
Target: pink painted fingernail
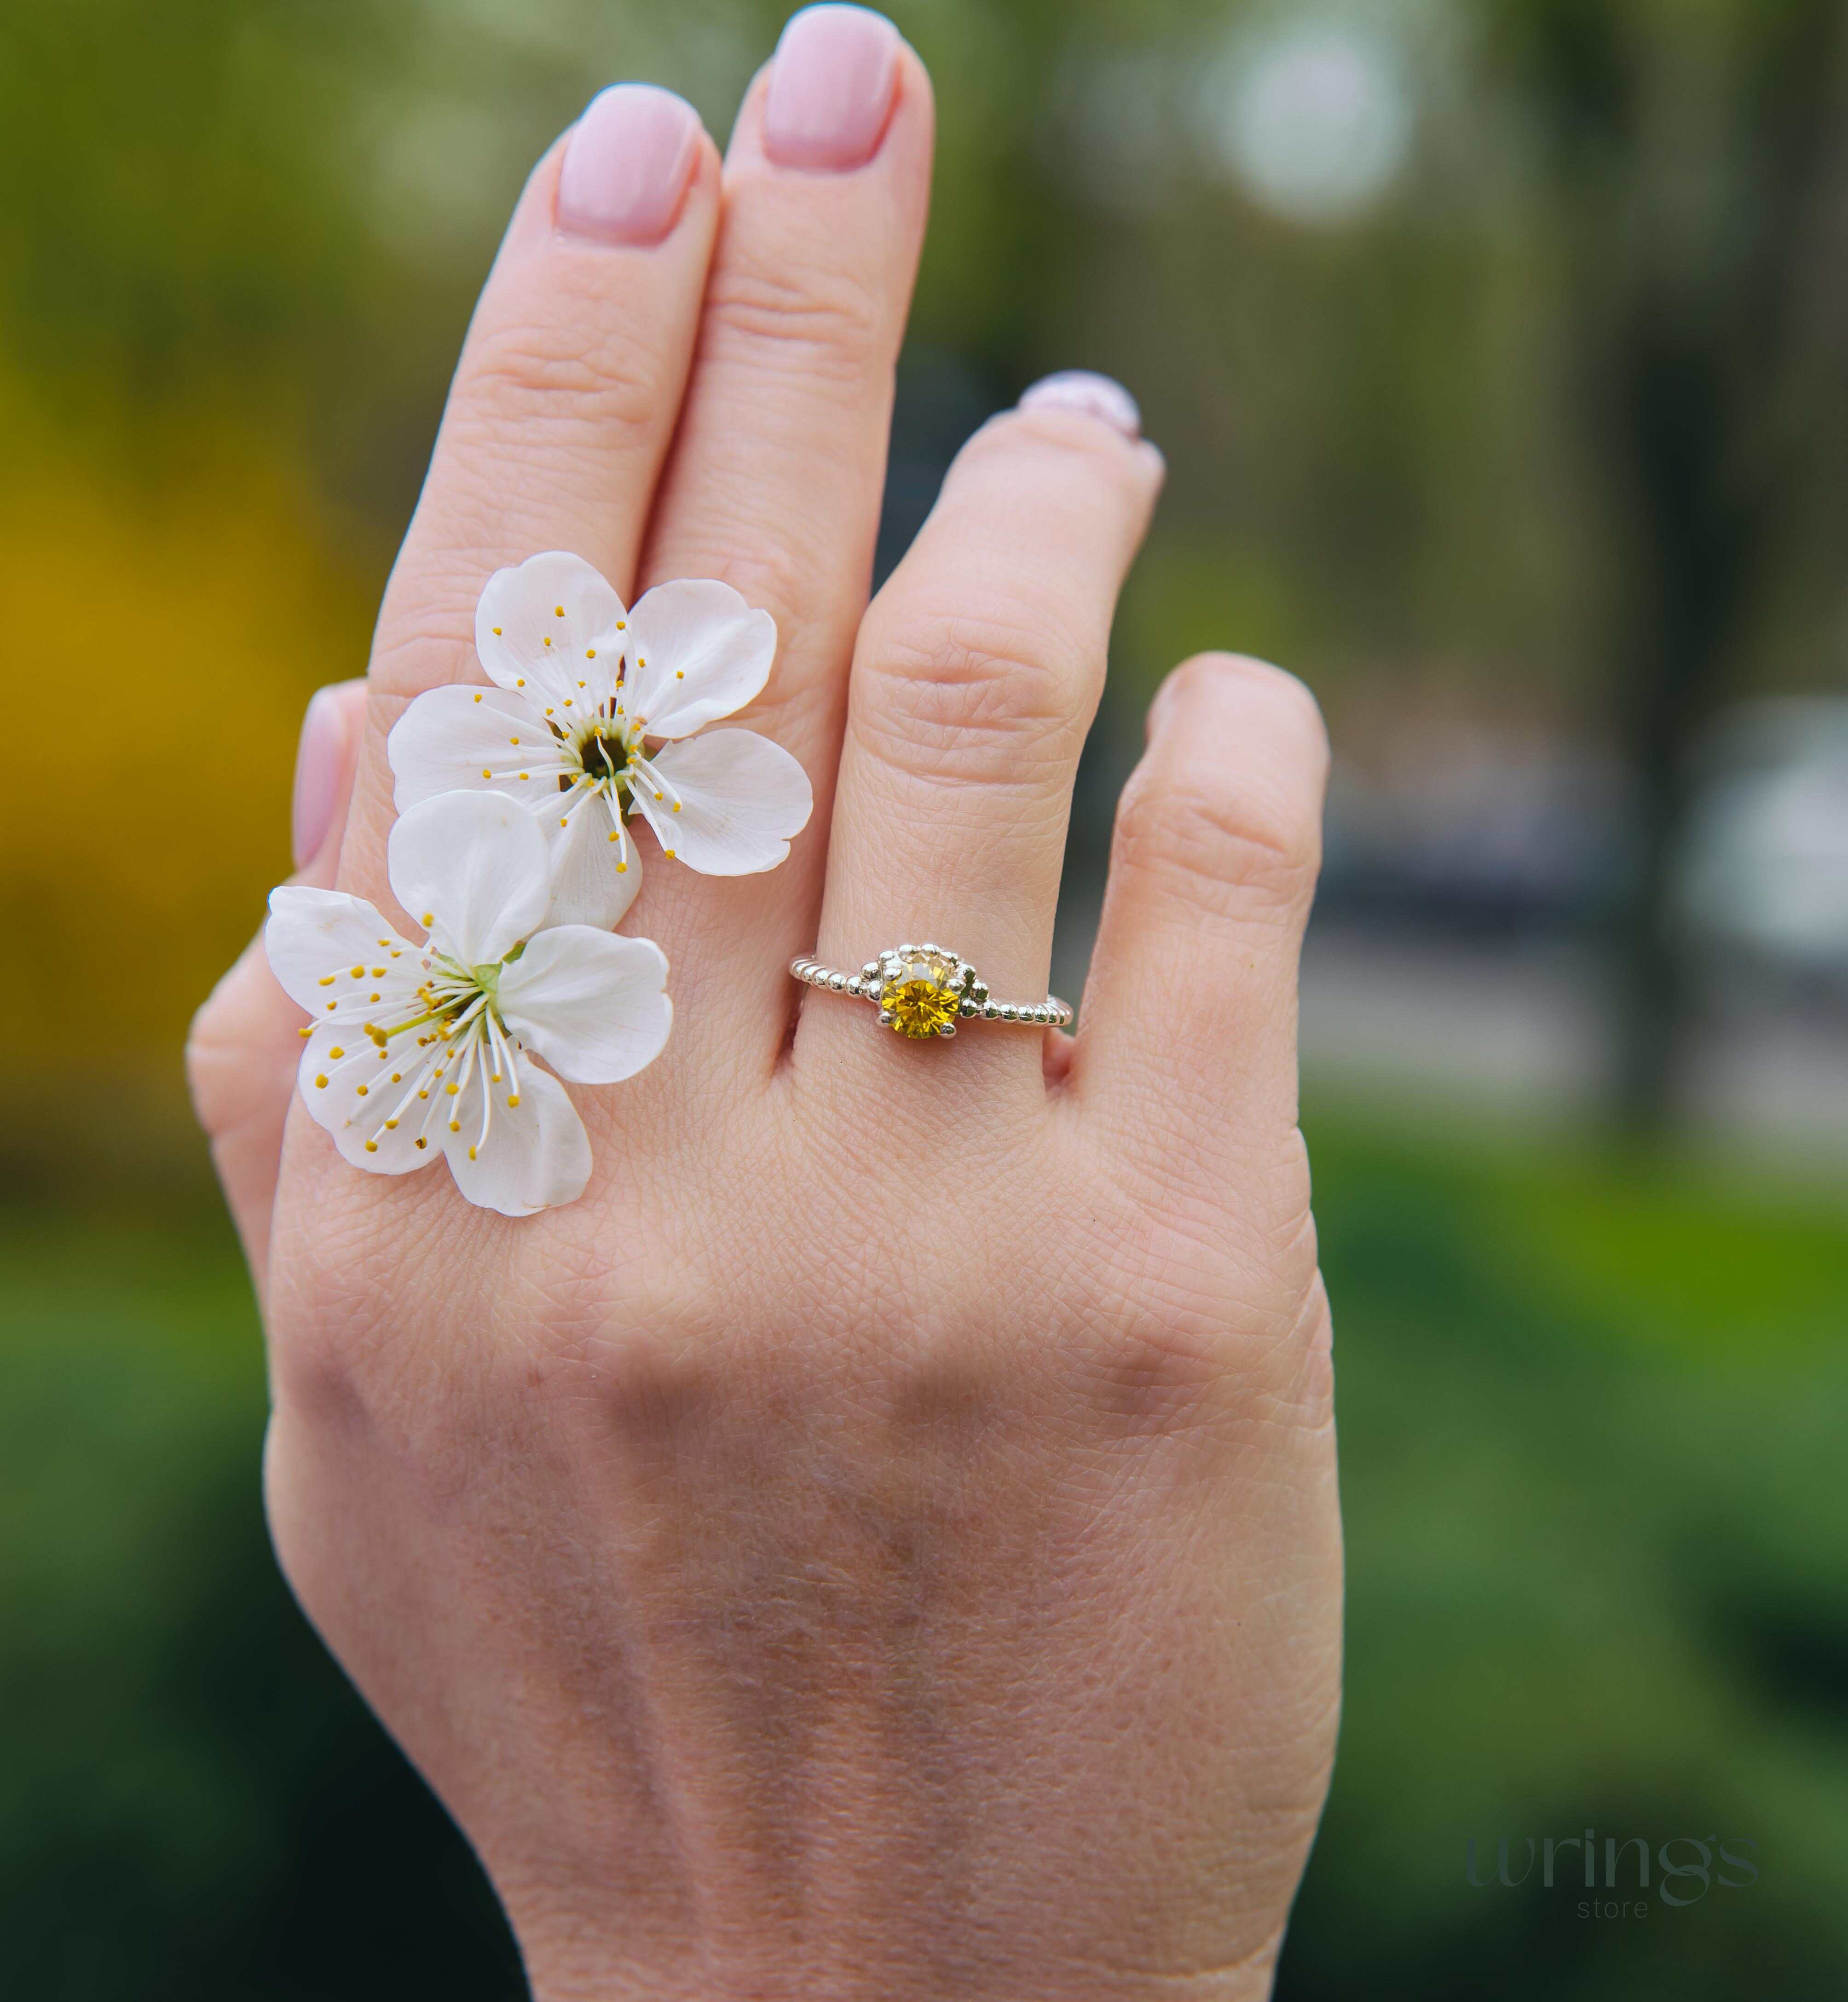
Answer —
832 87
1096 395
628 164
319 758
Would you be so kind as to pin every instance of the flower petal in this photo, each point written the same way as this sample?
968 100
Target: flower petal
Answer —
459 739
549 624
593 1005
316 936
536 1154
741 798
594 878
697 650
471 865
355 1093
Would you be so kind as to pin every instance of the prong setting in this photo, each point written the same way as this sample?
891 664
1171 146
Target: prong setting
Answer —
922 991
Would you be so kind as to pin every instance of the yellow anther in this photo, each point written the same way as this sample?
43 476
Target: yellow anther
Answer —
519 681
371 1146
328 980
559 610
613 835
422 1094
397 1077
321 1083
496 632
680 674
669 852
337 1051
422 1142
478 698
590 653
525 775
360 1089
547 641
513 740
429 918
513 1098
622 625
359 972
622 867
391 1125
307 1033
455 1125
452 1089
486 773
674 808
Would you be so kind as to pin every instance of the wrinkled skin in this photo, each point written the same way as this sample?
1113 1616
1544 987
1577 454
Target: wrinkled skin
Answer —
882 1541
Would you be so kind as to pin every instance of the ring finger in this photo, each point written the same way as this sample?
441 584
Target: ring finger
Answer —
977 674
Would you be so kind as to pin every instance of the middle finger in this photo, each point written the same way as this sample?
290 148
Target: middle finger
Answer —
775 482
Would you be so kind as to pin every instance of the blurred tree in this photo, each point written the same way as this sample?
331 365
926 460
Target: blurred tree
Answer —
1698 158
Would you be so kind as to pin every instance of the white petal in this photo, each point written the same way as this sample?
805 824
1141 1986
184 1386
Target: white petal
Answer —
354 1094
472 867
460 739
592 1005
547 625
314 939
697 650
589 884
741 798
536 1154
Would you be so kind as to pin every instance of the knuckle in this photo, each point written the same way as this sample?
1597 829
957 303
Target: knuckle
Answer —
567 373
820 323
970 696
1218 841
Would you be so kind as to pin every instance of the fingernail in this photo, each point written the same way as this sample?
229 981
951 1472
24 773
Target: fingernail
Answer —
831 86
628 164
1096 395
318 757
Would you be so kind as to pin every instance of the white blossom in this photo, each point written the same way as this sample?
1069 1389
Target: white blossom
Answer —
414 1051
592 721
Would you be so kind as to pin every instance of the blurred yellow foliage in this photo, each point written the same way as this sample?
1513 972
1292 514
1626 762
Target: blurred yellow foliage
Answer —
161 633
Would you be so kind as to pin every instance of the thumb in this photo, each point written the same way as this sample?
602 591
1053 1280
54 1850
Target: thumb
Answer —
242 1053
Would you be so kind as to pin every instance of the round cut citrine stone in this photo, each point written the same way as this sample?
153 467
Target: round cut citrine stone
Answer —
919 1005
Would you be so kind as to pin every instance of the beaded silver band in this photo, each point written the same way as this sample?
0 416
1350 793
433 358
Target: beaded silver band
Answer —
925 990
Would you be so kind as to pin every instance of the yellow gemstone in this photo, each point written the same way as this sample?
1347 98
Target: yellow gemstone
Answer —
919 1007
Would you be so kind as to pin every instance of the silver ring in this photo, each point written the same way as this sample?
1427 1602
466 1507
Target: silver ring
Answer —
923 990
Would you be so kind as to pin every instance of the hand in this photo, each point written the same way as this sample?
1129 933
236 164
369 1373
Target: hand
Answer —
882 1540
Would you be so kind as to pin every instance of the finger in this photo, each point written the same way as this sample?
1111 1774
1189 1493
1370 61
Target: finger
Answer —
564 401
977 675
241 1055
1187 1045
775 479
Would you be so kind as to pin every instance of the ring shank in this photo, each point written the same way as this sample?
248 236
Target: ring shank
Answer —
1051 1013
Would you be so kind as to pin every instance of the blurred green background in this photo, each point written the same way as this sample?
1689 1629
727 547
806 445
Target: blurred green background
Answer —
1500 349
